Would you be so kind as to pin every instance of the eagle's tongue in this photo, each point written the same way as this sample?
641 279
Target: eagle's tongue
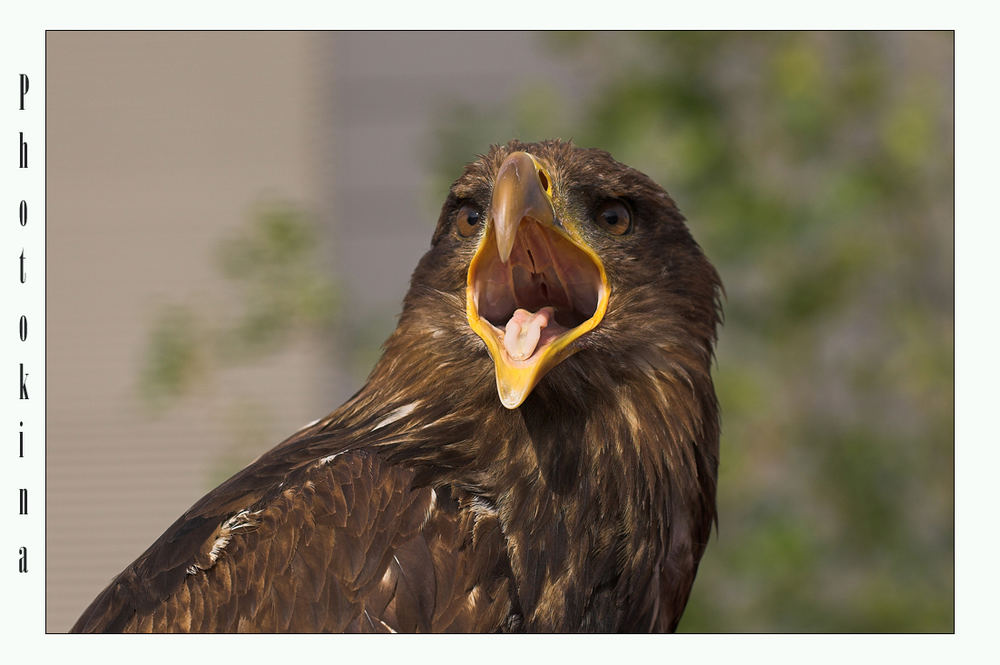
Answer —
524 330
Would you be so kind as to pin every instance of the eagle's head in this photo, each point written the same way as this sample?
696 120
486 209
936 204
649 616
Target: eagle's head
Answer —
560 266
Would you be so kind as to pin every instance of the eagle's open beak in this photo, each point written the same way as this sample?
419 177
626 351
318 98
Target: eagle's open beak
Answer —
534 286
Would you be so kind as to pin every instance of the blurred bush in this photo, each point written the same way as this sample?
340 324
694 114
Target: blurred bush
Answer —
816 170
280 288
279 292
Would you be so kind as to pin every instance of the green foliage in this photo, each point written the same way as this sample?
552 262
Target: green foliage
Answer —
279 291
282 289
172 356
816 171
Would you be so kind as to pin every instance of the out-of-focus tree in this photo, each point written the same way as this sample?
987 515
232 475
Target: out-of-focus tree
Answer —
281 293
816 170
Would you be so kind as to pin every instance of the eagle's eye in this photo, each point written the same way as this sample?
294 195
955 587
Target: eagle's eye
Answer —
614 217
467 220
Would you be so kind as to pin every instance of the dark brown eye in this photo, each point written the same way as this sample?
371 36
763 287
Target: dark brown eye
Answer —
614 217
467 220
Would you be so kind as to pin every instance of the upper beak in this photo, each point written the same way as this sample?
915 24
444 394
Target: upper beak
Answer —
518 194
534 286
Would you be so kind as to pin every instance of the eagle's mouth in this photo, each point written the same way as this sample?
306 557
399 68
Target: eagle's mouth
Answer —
530 306
544 290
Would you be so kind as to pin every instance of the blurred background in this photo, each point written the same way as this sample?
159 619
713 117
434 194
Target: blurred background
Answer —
233 217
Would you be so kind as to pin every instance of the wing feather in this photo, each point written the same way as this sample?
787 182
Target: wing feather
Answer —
348 543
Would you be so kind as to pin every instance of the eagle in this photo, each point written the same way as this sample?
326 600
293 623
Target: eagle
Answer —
535 451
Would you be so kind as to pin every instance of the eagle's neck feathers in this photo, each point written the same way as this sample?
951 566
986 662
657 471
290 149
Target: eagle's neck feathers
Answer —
616 486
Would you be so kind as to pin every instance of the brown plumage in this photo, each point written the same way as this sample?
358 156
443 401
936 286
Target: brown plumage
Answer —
568 486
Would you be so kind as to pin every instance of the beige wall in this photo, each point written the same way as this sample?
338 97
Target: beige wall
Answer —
158 146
